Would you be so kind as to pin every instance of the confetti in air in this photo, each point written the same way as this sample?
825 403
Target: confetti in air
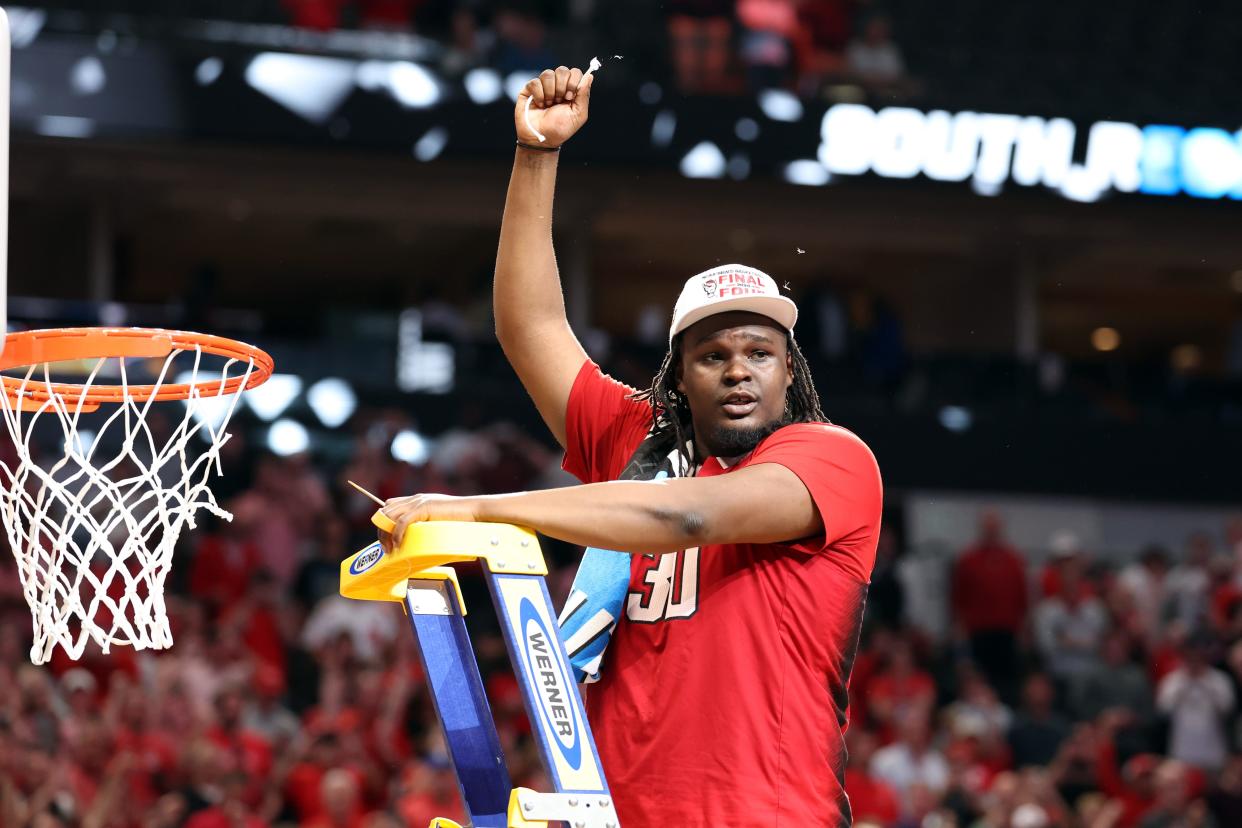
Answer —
595 64
800 250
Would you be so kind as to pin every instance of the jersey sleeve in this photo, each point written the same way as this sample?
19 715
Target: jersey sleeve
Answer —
842 476
603 426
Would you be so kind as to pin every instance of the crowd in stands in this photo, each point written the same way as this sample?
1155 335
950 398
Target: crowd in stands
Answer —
712 46
1072 694
1075 693
281 702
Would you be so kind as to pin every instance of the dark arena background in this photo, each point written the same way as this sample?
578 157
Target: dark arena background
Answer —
1013 230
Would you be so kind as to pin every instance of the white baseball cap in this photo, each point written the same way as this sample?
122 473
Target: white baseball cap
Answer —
731 287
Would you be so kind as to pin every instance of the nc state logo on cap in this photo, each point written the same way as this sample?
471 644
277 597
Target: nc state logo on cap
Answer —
731 287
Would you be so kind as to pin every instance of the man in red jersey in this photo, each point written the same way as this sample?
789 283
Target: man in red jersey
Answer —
722 700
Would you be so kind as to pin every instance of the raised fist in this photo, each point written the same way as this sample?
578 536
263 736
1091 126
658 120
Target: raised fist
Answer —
559 101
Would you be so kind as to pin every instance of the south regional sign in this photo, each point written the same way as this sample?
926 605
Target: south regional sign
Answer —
991 150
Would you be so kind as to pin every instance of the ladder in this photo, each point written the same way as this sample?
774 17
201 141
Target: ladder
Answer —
416 575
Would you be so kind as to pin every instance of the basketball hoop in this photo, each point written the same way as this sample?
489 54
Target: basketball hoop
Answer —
94 525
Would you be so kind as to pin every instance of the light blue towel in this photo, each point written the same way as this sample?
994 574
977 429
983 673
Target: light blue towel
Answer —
595 603
597 598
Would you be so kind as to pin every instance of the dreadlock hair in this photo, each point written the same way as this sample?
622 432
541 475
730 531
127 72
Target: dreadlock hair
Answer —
670 413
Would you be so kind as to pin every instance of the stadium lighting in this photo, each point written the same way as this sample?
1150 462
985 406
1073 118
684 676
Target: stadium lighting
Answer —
287 437
780 105
807 173
309 86
738 167
270 399
704 161
209 410
1186 357
747 129
431 144
663 127
1105 339
412 86
333 400
422 366
85 439
208 71
65 126
372 75
25 24
88 76
956 418
409 446
483 86
514 82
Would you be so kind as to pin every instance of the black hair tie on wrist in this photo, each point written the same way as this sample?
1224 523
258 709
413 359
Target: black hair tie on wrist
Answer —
538 149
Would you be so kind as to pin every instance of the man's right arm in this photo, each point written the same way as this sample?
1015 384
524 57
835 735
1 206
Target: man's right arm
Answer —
531 323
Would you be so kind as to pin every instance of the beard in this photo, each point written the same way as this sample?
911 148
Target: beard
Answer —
724 441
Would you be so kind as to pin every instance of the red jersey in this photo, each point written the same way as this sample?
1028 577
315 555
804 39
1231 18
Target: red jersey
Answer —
722 699
989 589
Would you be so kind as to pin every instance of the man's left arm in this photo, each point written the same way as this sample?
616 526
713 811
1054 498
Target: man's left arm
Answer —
763 503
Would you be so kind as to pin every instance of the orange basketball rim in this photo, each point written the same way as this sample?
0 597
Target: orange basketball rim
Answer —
41 347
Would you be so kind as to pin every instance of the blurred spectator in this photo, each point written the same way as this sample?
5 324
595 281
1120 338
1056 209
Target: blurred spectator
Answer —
1038 729
232 809
1116 682
388 15
281 511
1145 583
1225 802
1064 552
1198 700
320 575
265 715
342 801
886 599
990 599
978 713
900 690
870 797
521 41
470 41
1069 629
367 625
911 763
226 559
246 751
769 28
874 58
1175 807
1190 580
323 15
700 35
824 32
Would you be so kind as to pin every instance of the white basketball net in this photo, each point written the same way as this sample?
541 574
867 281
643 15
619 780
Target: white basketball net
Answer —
94 532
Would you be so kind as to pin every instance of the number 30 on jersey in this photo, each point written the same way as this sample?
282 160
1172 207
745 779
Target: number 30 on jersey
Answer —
665 588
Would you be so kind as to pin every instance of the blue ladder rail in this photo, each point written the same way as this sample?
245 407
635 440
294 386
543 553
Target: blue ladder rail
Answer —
416 575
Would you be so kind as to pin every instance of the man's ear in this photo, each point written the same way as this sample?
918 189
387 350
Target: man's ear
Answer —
789 371
681 386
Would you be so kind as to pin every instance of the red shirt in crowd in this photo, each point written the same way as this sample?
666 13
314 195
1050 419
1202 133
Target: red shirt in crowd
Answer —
896 695
870 798
222 569
731 665
989 589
